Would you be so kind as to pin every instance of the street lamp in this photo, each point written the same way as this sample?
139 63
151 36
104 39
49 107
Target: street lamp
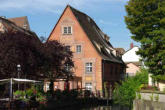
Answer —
18 70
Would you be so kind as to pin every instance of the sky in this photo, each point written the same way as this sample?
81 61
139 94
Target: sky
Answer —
44 14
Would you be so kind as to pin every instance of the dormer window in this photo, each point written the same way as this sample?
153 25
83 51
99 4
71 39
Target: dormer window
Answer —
25 26
67 30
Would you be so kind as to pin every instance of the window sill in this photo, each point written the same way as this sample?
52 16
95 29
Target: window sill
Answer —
88 72
66 34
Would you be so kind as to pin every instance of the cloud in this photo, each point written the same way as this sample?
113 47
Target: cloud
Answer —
52 6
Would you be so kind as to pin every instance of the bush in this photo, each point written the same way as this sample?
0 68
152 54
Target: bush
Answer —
125 93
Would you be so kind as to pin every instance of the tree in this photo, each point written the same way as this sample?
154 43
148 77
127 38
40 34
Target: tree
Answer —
49 60
19 48
125 93
146 21
57 62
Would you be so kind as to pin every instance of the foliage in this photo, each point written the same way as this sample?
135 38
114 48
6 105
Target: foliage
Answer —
152 97
56 57
19 48
139 96
125 93
19 94
147 87
27 94
37 60
146 21
157 97
158 77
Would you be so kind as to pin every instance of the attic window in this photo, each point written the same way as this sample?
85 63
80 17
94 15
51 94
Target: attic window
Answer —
67 30
25 26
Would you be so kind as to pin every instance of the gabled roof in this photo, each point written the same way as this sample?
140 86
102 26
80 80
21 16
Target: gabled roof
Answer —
10 26
96 36
131 56
21 22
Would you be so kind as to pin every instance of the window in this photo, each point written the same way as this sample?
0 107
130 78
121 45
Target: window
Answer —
88 67
67 30
67 67
25 26
68 48
88 86
47 86
78 48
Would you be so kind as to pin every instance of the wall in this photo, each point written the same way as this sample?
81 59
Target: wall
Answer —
131 56
132 69
148 105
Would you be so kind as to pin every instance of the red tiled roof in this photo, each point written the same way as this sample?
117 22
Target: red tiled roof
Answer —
21 22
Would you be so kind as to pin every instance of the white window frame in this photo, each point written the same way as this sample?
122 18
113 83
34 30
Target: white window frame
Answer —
67 29
78 48
89 67
88 86
47 86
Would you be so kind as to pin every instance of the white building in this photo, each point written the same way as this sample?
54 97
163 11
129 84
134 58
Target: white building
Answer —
132 60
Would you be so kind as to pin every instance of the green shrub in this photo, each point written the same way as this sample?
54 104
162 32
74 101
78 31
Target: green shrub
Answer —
139 96
157 97
125 93
152 97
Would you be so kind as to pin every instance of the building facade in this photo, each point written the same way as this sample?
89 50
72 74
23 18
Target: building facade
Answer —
95 60
132 60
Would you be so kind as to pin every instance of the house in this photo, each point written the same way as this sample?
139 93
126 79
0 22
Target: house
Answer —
95 59
132 60
21 22
7 25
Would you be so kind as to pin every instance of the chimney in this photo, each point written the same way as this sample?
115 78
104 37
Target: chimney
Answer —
131 45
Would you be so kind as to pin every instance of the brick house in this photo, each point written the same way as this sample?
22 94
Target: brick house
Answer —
95 58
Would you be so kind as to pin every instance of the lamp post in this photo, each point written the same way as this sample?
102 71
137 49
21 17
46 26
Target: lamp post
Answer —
18 75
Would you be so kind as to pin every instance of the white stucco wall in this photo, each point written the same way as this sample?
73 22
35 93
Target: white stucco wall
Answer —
162 86
131 56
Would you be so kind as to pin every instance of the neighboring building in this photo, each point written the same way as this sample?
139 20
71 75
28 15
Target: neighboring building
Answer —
7 25
96 61
132 60
21 22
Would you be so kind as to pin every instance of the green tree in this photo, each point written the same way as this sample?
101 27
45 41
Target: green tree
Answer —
125 93
146 21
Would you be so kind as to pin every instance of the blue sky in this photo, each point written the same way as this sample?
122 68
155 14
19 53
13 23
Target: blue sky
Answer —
43 15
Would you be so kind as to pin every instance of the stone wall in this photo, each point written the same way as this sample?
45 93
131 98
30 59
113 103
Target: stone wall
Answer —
148 105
